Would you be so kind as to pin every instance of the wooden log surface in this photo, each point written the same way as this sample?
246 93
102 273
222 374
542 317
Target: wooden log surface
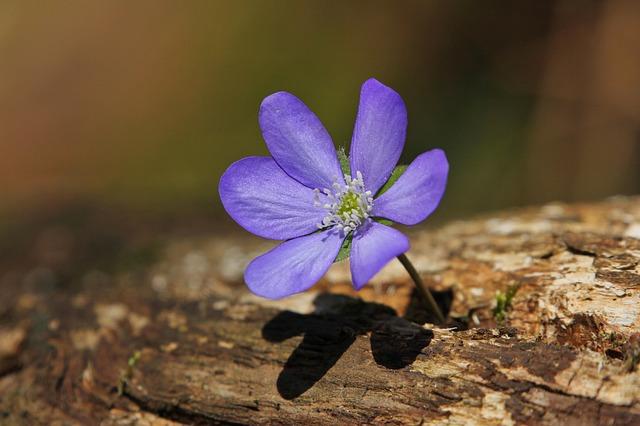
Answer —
107 321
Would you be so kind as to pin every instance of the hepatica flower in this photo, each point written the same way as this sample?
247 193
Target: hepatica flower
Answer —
323 208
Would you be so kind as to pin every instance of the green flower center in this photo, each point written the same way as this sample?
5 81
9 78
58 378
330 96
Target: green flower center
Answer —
350 204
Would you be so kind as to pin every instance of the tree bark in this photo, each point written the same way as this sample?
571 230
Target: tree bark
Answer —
159 329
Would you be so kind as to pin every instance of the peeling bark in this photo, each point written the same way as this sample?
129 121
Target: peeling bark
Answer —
178 340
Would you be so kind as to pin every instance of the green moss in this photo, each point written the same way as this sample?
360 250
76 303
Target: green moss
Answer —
128 372
503 302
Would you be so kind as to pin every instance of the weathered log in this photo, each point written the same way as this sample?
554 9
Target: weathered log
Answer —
544 329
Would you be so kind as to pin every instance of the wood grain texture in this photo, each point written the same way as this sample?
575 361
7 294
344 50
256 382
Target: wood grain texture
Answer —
174 338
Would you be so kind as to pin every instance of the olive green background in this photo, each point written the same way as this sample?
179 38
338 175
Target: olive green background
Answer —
143 104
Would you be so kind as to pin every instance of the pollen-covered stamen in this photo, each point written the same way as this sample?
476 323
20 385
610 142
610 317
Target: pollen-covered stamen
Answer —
347 205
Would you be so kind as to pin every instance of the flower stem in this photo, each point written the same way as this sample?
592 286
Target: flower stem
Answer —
425 294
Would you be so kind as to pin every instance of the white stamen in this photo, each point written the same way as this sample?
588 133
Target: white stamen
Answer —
345 221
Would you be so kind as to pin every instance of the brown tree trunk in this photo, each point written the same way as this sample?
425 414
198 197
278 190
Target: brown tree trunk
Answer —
544 329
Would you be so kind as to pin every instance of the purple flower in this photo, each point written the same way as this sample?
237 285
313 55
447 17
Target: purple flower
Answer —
301 195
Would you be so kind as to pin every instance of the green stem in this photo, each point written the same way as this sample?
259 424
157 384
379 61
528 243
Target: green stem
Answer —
425 294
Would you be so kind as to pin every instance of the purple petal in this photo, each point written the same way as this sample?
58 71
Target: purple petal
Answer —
373 246
266 201
417 193
379 133
293 266
298 141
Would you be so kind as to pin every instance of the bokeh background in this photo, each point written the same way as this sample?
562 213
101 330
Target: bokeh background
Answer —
142 105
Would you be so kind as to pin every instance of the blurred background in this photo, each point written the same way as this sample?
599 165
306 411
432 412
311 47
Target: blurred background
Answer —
140 106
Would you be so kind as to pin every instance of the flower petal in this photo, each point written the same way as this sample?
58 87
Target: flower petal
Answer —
266 201
379 133
373 246
417 193
298 141
293 266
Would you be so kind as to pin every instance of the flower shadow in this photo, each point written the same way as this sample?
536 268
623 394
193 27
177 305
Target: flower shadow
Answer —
332 329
